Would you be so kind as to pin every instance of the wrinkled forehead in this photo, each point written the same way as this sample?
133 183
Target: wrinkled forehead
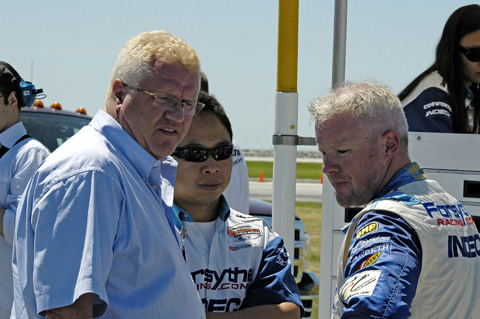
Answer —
341 129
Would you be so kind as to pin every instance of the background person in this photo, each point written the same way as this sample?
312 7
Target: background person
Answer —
237 192
20 155
445 97
402 250
239 265
94 236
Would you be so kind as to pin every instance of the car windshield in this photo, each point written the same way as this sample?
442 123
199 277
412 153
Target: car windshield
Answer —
52 130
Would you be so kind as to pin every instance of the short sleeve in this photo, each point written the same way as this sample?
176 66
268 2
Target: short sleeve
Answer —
274 283
78 218
27 160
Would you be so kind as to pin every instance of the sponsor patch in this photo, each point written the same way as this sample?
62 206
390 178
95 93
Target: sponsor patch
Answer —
370 260
282 258
367 229
374 241
360 284
235 248
244 232
416 171
244 216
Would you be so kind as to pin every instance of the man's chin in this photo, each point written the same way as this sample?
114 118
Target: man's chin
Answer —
161 151
346 200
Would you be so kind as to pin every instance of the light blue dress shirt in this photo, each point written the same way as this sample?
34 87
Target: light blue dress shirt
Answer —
16 167
93 220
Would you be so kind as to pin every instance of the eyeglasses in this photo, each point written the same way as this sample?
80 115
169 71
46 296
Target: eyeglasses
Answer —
472 54
199 154
190 108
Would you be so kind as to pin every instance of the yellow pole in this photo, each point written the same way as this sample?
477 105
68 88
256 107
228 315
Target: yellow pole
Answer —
287 46
285 138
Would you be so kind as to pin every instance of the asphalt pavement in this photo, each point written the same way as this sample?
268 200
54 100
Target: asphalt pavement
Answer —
305 191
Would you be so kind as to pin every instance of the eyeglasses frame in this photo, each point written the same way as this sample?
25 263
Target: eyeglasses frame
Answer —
196 110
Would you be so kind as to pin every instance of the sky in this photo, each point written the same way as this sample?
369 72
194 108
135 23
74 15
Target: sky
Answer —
68 48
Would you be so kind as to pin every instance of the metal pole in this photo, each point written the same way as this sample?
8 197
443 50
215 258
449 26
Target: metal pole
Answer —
339 43
286 116
327 268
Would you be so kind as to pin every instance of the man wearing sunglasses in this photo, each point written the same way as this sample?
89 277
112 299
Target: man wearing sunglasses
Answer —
237 262
95 236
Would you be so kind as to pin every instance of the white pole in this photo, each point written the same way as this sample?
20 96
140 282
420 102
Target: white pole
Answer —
285 137
285 168
328 269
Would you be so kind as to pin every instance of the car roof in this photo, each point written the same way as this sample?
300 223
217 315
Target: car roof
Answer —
32 109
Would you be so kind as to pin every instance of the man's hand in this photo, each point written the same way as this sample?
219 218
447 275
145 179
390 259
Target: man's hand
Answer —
285 310
82 308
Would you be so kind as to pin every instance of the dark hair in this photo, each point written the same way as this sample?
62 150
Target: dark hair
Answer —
9 81
463 21
203 82
214 107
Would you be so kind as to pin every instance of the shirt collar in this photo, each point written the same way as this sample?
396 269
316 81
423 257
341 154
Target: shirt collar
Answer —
407 174
471 91
123 143
180 215
11 135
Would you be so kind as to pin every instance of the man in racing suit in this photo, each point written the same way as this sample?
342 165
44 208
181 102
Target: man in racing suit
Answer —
414 250
236 261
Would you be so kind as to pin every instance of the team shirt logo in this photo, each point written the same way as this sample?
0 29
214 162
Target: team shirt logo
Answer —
449 215
416 171
243 232
282 258
367 229
360 284
370 260
468 246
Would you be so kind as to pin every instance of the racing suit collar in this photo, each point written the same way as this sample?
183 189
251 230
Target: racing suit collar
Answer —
407 174
180 215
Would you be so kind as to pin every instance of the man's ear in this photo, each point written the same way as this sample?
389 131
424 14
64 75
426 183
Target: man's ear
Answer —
119 90
12 99
391 141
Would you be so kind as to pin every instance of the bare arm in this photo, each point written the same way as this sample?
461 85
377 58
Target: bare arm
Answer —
82 308
285 310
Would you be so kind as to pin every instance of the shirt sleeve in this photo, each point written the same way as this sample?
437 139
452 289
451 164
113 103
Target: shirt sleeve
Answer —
274 283
27 161
430 111
382 269
75 225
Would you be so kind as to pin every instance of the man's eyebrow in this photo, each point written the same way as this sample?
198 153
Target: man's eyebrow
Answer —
197 144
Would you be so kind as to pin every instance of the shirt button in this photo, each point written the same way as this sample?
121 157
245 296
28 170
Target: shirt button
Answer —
154 186
156 164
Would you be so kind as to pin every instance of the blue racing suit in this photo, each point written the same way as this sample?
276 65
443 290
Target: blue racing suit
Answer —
428 108
245 266
412 252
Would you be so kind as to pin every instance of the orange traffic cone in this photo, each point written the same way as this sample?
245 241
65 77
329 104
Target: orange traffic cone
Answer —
261 177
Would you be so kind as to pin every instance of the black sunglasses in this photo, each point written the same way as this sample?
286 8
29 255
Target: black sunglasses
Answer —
472 54
199 154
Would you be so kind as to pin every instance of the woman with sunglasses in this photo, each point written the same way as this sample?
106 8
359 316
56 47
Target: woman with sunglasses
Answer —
238 264
445 97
